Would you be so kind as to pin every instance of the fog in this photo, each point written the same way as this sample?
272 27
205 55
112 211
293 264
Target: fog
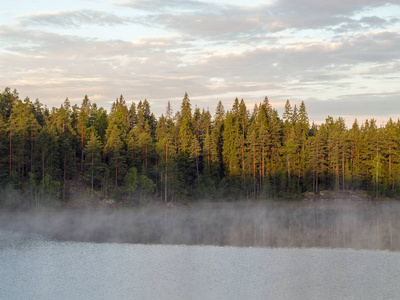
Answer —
323 224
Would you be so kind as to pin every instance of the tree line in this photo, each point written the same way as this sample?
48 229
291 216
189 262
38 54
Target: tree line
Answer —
130 155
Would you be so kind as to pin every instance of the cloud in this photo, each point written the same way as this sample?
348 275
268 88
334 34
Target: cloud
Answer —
156 68
75 18
161 5
361 106
375 47
374 21
212 21
299 50
322 9
207 20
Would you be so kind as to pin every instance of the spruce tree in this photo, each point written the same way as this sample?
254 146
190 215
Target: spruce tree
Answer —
186 125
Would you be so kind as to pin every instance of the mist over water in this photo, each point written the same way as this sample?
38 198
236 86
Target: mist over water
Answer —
281 251
329 224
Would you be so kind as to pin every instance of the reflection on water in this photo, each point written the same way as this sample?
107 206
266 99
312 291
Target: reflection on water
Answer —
346 224
32 267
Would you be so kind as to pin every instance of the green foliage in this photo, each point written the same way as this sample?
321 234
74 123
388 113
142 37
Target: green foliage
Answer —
50 191
11 198
186 125
233 155
94 168
139 187
145 187
131 181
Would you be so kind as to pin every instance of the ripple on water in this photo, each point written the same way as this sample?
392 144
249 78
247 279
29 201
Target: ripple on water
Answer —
33 267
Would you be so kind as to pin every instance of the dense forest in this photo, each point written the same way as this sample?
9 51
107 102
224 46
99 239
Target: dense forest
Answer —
129 155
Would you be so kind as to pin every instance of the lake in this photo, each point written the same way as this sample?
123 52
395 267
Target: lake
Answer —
33 266
360 225
243 250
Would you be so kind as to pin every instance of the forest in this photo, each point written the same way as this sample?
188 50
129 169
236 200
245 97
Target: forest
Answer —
131 156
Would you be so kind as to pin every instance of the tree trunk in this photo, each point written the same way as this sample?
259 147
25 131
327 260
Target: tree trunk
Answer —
166 174
243 171
317 170
390 166
197 157
254 168
299 162
146 156
116 172
10 149
65 174
92 174
82 152
31 149
263 161
343 178
43 166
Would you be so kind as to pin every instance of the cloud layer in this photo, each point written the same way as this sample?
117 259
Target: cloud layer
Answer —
341 58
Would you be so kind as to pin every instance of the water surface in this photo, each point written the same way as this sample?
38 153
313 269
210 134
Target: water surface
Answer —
35 267
344 224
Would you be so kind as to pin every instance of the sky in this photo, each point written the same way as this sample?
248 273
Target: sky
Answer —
342 58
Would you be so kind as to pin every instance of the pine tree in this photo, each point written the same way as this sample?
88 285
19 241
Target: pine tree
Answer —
132 116
253 144
23 130
302 132
145 143
195 146
231 146
119 116
205 139
370 152
390 150
287 118
93 159
243 120
7 100
289 152
65 128
317 155
132 150
143 135
263 125
165 147
217 139
99 121
169 112
47 155
336 142
354 140
114 149
4 173
131 181
82 126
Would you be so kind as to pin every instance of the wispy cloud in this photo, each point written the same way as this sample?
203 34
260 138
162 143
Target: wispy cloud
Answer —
74 18
210 20
161 5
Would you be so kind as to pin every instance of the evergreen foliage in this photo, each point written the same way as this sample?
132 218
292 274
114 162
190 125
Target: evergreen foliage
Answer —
235 154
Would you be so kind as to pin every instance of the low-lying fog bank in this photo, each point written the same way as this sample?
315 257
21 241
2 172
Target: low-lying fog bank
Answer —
348 224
